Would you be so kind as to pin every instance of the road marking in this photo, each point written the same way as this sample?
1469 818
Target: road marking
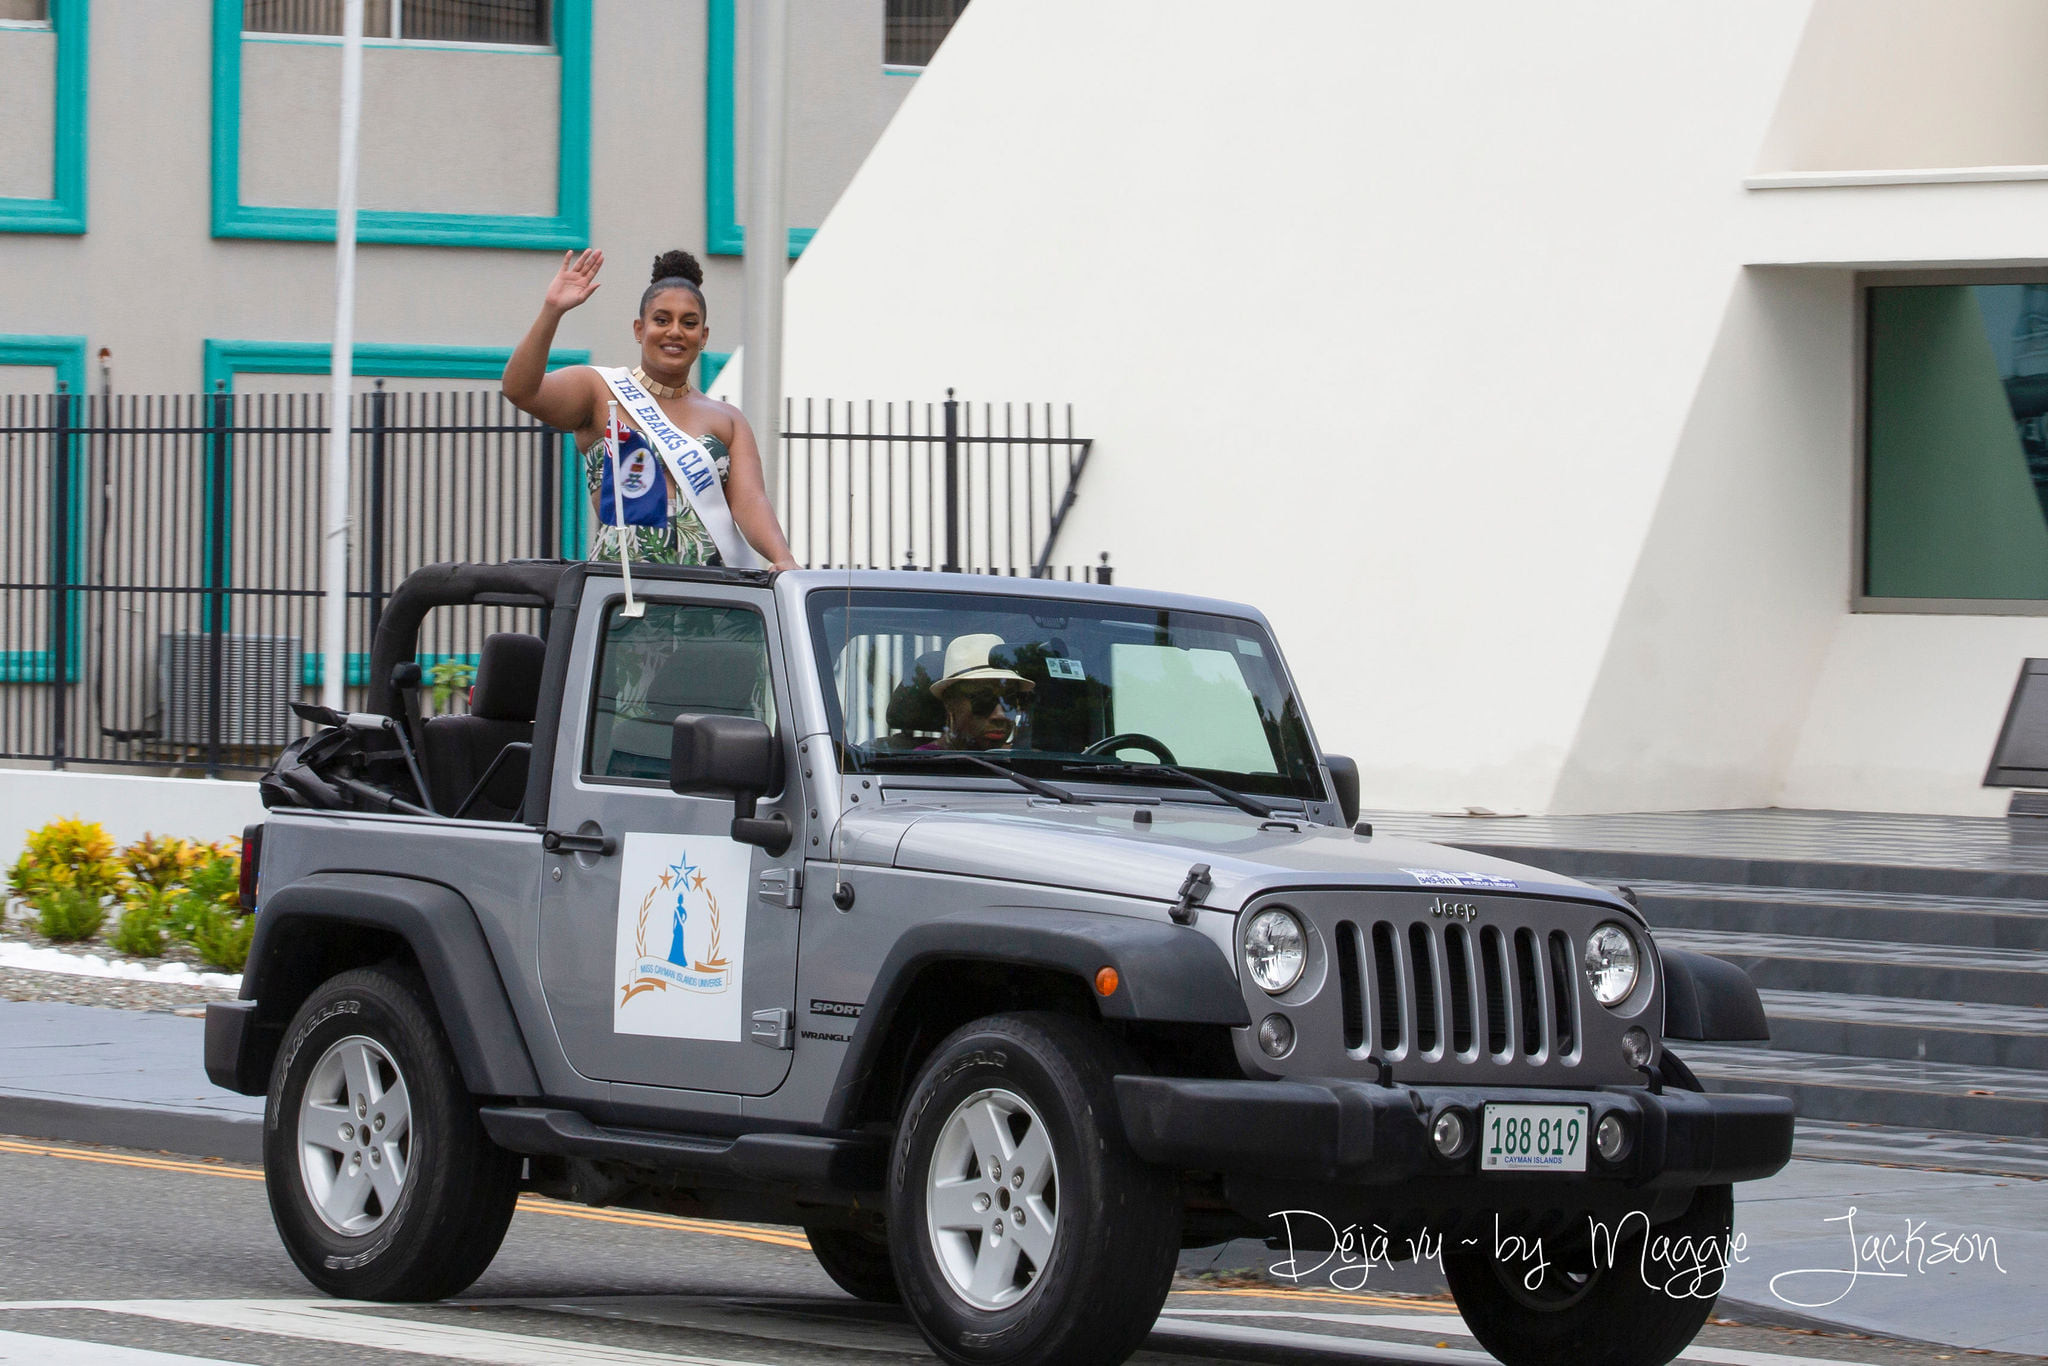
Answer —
1185 1321
533 1204
313 1322
1419 1306
26 1349
1170 1327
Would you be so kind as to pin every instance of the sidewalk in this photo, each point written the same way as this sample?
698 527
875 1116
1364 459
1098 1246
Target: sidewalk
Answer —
125 1077
134 1079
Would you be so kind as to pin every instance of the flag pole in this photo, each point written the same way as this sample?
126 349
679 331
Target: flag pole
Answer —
334 549
611 445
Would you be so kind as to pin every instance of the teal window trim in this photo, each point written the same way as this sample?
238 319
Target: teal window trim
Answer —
569 226
65 355
225 359
709 364
64 210
723 234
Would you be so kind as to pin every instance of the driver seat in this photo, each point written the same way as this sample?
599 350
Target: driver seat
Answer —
460 750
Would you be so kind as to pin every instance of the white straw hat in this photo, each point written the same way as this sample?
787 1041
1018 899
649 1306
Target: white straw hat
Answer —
967 661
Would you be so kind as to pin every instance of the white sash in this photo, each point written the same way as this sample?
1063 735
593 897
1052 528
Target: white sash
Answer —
689 465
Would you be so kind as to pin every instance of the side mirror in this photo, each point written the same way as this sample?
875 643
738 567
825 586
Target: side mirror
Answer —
730 756
1344 777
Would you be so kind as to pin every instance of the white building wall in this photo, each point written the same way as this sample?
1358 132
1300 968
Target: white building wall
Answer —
1452 337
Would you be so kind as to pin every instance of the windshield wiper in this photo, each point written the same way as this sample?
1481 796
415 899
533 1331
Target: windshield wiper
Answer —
1024 780
1235 798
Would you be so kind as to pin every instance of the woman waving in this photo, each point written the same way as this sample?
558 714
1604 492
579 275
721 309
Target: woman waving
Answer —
686 487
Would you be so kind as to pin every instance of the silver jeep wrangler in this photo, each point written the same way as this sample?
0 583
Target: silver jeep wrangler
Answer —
1007 936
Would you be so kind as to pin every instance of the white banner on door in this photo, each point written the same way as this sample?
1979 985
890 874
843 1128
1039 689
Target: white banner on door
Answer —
682 936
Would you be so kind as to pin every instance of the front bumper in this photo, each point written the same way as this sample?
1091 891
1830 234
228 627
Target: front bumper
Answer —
1352 1133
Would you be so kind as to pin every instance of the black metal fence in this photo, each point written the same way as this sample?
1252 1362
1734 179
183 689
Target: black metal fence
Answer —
160 557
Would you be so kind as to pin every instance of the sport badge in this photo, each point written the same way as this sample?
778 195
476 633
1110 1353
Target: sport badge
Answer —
682 936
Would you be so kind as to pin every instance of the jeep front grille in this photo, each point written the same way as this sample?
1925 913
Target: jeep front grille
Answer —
1436 991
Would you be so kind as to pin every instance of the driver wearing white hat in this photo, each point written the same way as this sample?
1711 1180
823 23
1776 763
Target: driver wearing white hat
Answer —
982 698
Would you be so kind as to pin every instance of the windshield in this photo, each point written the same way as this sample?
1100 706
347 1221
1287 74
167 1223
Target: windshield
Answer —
1057 689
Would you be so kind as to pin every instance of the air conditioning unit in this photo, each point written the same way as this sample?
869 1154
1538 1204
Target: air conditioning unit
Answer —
258 676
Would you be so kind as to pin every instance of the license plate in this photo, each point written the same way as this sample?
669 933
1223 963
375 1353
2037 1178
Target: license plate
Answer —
1532 1138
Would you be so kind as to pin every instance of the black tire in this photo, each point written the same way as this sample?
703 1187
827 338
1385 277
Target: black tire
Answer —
1579 1312
457 1189
1114 1231
858 1263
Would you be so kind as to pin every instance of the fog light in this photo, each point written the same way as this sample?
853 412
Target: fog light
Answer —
1276 1036
1636 1048
1611 1138
1449 1134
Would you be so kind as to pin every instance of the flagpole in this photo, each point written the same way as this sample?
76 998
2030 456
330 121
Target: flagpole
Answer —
334 549
611 443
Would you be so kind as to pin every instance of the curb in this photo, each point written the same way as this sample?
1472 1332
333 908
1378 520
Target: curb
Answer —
193 1133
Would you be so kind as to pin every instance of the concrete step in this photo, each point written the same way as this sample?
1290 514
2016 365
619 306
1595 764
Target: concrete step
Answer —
1826 913
1921 1095
1935 972
1897 1027
1945 1150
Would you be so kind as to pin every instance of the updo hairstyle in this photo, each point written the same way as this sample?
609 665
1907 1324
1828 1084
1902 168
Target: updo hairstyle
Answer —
675 270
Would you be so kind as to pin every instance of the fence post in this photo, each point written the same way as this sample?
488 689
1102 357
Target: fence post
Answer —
60 549
375 558
218 457
1102 571
952 564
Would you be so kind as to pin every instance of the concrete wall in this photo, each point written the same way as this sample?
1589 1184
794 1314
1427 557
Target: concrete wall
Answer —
28 88
128 807
150 282
1453 340
450 131
1902 84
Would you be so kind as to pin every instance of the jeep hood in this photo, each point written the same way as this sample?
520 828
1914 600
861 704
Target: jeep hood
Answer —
1104 848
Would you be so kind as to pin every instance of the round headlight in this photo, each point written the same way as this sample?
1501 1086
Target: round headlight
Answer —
1275 950
1613 963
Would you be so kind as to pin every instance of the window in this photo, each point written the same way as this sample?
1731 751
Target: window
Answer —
517 22
680 657
24 11
1957 462
1059 689
913 30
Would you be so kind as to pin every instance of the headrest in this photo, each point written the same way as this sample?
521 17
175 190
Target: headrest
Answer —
508 677
709 675
911 705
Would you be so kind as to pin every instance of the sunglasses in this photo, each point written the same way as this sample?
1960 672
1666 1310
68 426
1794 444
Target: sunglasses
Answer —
982 701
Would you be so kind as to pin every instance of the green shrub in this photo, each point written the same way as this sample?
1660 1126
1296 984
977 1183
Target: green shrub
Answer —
222 938
144 928
66 853
213 884
66 913
161 860
447 677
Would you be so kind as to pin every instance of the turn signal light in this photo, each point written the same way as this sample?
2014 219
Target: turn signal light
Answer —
1106 981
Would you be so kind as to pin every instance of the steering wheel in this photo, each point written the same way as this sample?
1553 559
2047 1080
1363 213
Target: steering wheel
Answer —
1132 739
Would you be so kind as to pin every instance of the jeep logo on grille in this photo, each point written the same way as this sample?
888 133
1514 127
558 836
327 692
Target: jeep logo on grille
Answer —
1453 910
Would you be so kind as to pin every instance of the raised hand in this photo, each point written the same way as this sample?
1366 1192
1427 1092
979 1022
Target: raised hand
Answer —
575 281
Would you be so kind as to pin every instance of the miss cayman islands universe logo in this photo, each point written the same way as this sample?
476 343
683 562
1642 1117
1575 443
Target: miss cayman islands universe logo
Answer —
682 930
681 968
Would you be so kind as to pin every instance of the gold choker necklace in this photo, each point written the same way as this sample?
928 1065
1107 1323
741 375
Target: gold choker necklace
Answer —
662 390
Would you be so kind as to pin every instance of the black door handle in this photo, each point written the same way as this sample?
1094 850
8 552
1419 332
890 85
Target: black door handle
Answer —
601 844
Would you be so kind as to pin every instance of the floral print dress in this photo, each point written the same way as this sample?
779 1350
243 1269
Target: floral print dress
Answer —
683 540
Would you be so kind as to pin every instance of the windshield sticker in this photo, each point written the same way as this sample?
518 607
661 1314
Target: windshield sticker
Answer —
1437 877
1064 668
682 932
1250 647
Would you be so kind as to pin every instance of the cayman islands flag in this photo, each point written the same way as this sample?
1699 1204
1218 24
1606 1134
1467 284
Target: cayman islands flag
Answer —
640 485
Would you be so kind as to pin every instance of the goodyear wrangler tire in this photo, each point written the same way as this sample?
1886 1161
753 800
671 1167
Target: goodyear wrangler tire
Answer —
1022 1226
1638 1305
382 1182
